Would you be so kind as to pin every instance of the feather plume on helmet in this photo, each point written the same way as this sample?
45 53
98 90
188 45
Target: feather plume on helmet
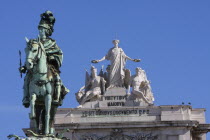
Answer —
47 21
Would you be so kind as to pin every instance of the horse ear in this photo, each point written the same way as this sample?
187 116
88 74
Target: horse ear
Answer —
27 40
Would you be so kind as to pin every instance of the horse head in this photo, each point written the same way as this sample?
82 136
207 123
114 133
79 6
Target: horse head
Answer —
33 50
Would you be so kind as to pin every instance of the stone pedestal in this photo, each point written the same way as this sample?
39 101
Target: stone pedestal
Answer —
115 97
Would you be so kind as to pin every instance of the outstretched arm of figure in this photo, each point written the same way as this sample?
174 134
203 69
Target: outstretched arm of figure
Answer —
135 60
96 61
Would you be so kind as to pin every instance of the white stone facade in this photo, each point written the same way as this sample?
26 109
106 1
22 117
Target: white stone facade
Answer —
178 122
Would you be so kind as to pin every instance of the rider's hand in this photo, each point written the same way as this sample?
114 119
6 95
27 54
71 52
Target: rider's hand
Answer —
136 60
22 69
95 61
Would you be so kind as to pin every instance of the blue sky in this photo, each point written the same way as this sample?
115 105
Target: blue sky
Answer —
172 37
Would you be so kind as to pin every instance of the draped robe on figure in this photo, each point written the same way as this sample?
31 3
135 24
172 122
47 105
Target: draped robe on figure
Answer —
117 58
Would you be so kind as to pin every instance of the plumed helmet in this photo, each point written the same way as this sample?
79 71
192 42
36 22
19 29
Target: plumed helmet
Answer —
47 21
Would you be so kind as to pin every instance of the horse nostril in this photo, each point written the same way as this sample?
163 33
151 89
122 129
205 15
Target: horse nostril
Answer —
30 64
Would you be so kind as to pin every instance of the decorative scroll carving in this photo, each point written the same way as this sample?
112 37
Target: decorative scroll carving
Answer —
143 136
117 134
89 137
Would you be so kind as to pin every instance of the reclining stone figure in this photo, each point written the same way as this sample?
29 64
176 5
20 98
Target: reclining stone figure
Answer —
141 88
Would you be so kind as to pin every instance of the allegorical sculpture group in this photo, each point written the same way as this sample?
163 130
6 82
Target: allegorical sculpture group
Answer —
43 87
116 76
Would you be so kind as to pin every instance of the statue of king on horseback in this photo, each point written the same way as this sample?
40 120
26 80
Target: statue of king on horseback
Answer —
43 88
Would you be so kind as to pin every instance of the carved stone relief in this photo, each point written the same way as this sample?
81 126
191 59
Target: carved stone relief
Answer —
117 134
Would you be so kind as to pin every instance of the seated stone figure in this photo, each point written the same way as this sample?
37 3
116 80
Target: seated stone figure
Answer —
93 89
141 88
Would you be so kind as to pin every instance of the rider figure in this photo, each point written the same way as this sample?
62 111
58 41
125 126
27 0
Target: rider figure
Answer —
54 57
